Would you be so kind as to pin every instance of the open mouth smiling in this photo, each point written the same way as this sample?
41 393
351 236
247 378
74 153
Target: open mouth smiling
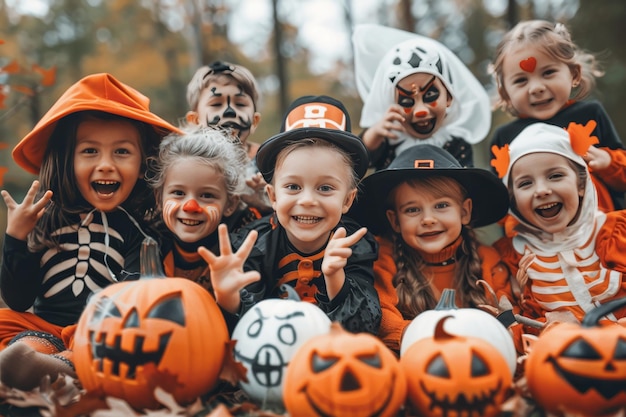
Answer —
549 210
424 127
105 187
542 102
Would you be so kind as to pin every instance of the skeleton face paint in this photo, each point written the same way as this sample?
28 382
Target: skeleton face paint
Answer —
223 103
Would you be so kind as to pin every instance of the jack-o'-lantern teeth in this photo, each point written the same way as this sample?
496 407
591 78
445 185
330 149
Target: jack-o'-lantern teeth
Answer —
606 386
307 219
105 186
267 365
474 406
114 354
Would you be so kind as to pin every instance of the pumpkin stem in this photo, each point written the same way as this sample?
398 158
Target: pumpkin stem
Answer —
447 300
440 332
592 317
292 294
149 260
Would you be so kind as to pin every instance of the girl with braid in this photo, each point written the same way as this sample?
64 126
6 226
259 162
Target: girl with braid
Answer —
422 208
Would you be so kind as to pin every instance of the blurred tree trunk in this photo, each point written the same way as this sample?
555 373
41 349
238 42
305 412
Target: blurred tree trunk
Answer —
512 15
281 68
405 15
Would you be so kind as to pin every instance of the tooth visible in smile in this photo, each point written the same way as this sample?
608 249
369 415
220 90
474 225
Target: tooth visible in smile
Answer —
105 186
307 219
547 206
190 222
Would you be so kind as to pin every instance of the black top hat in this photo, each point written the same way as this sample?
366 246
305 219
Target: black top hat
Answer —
490 198
320 117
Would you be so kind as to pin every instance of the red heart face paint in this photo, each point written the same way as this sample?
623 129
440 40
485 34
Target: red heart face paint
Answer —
528 64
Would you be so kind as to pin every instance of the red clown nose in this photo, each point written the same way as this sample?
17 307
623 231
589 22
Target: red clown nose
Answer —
192 206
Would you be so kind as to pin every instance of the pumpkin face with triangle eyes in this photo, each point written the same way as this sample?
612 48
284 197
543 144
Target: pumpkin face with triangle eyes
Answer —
453 376
135 336
580 368
344 374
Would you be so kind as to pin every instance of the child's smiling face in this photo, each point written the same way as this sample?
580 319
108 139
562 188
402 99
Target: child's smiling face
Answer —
195 199
546 190
537 85
107 161
424 99
311 189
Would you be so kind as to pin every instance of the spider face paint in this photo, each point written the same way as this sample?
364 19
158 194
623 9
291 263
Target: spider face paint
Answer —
224 103
423 97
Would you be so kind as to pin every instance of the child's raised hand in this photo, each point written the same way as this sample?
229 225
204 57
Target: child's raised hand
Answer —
597 158
386 127
227 275
258 198
22 218
336 255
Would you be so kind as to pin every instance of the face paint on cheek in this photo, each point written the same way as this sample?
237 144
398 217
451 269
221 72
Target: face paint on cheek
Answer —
170 207
528 64
215 121
213 214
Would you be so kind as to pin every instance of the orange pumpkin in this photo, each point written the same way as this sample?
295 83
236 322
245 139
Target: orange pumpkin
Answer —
138 335
344 374
453 376
580 368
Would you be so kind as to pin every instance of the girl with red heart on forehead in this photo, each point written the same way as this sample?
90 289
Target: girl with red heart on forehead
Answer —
543 76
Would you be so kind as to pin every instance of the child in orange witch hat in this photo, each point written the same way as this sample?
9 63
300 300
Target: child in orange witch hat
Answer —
80 226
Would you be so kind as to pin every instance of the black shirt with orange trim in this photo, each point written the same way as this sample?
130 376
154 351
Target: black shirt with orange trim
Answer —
356 306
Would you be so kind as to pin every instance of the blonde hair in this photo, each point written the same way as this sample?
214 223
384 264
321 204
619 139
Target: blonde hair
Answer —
556 41
212 146
411 282
219 70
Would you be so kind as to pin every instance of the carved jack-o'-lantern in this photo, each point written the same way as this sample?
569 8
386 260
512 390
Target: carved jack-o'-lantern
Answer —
453 376
344 374
267 336
580 368
163 332
468 322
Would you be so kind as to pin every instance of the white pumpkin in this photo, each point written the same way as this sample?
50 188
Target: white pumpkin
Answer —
266 338
468 322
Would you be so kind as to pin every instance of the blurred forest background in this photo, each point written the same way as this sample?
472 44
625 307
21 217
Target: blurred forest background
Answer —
156 45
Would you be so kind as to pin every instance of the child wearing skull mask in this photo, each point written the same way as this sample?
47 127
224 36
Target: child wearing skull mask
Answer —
416 91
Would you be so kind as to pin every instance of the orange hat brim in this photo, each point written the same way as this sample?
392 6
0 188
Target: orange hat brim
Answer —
99 92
